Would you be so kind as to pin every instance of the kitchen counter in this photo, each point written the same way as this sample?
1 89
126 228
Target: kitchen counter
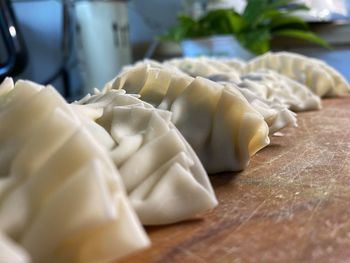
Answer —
292 204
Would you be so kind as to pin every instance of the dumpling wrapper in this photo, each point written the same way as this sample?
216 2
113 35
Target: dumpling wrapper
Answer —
234 63
6 86
322 79
11 252
150 154
276 115
221 126
65 201
276 87
150 82
204 67
25 100
200 113
80 230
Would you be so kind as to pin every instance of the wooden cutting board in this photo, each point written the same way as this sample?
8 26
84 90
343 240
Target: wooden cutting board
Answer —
292 204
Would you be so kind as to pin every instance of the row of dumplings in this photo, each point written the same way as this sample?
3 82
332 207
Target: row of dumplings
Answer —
79 180
225 108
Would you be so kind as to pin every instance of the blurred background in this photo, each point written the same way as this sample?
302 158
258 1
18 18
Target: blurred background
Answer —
79 45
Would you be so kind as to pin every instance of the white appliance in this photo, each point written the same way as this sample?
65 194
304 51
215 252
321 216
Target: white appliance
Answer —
102 40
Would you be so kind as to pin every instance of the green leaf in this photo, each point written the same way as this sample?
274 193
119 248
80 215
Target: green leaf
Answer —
236 22
214 15
174 34
257 11
253 11
185 20
305 35
215 22
186 28
261 20
288 21
271 13
256 40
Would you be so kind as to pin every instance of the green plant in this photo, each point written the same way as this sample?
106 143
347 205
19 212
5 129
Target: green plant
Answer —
261 21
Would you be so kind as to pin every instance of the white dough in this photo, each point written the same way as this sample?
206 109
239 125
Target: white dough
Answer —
276 114
11 252
272 86
205 67
207 114
234 63
6 86
165 181
61 197
315 74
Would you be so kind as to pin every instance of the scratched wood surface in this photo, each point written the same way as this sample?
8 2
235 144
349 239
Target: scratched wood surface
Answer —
292 204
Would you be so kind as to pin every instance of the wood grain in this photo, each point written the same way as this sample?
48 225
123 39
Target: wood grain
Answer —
292 204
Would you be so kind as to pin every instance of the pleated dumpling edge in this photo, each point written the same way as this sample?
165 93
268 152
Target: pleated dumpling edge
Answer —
61 199
198 115
165 181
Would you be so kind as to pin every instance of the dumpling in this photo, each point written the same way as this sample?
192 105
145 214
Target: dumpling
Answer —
165 181
25 100
234 63
276 88
6 86
341 85
204 67
20 92
88 116
276 114
151 82
219 124
11 252
61 200
105 103
315 74
273 86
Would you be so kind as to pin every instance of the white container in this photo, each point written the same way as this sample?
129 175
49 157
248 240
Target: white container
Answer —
217 46
102 40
